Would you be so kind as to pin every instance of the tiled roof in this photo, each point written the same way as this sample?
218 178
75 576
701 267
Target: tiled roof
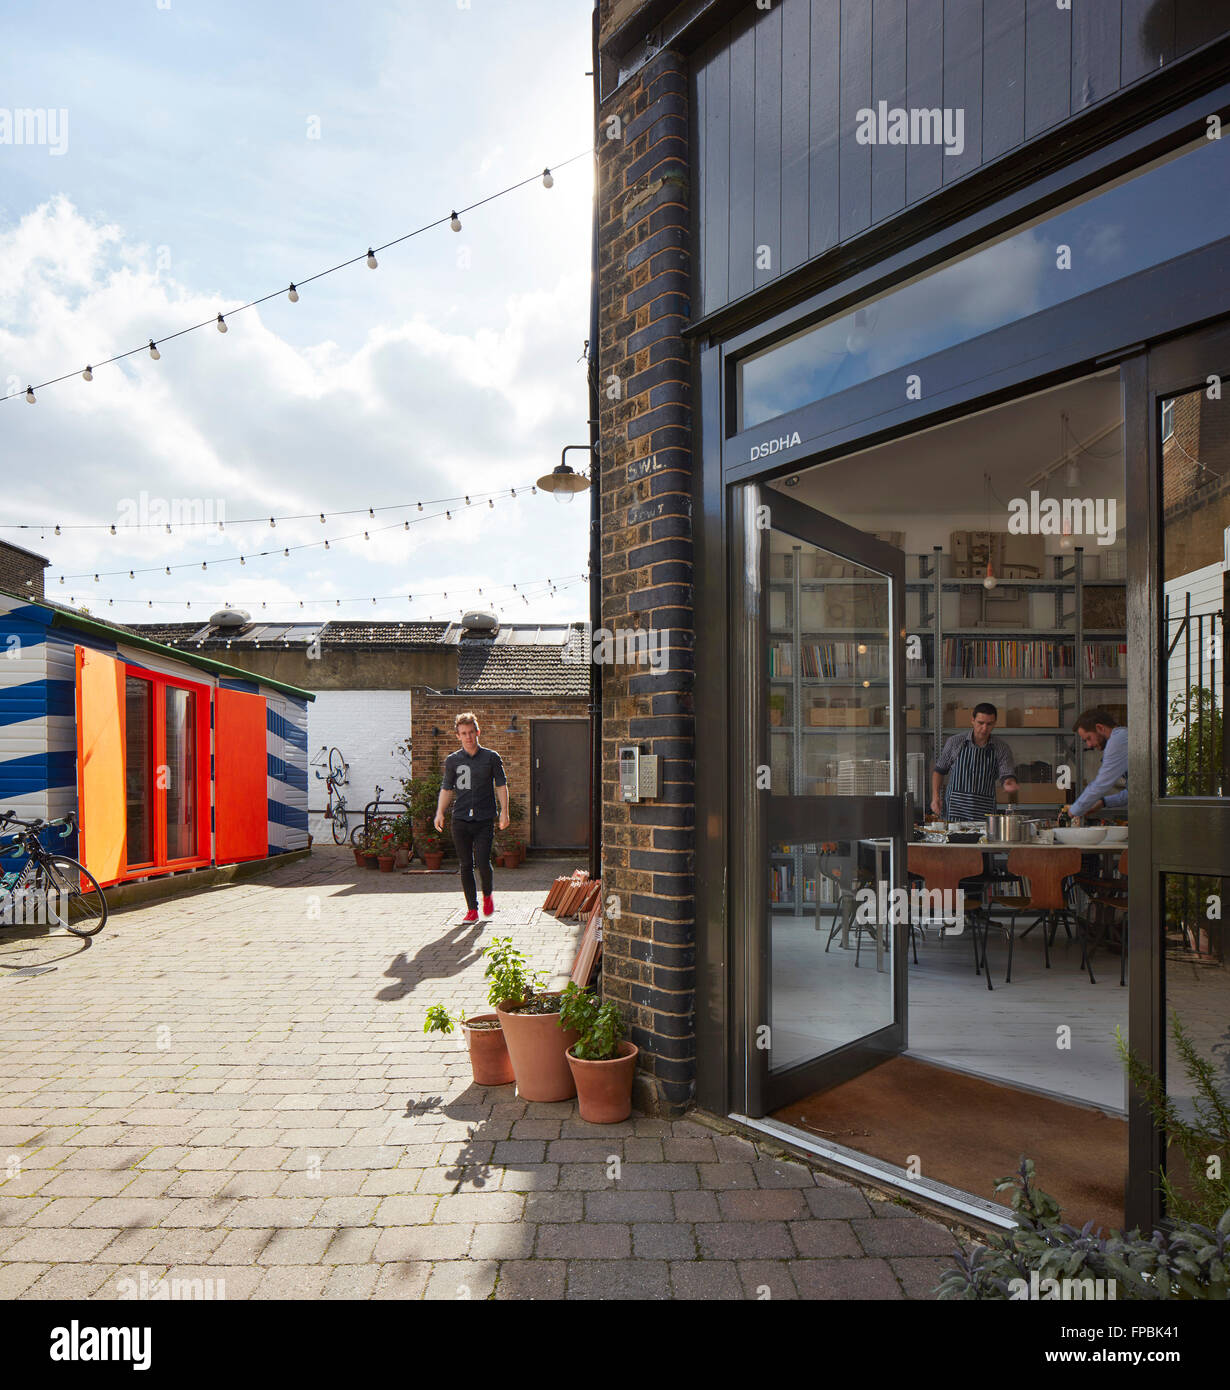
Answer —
273 634
490 669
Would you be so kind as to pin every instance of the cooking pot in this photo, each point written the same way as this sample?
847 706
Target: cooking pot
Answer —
1010 829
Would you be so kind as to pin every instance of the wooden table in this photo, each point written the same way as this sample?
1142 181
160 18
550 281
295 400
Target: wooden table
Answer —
1005 846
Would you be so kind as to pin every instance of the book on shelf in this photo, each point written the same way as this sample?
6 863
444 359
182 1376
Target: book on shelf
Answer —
830 660
981 658
1105 661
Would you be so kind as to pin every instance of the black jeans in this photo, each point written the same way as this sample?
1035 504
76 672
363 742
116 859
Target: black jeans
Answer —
472 840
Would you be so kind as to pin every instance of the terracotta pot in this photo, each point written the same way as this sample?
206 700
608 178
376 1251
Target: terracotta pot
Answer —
386 863
433 861
538 1047
508 861
402 857
489 1059
359 859
370 861
604 1089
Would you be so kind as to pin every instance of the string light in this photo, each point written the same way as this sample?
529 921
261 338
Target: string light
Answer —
88 374
221 324
292 292
548 179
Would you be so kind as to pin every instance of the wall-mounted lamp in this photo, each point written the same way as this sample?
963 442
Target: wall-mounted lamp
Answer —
563 483
512 726
435 732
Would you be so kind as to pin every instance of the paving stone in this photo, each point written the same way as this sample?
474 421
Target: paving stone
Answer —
919 1275
696 1206
836 1203
663 1240
298 1281
844 1279
612 1280
782 1174
629 1206
692 1149
748 1240
766 1280
705 1280
423 1243
461 1280
296 1247
122 1211
402 1280
525 1280
824 1239
584 1242
724 1176
909 1235
69 1281
480 1207
273 1212
784 1205
507 1240
352 1282
414 1210
60 1244
185 1246
553 1207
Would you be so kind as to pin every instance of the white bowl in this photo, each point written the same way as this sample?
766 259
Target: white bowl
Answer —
1084 835
1116 834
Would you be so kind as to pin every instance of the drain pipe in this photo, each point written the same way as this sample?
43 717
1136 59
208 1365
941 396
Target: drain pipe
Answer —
595 511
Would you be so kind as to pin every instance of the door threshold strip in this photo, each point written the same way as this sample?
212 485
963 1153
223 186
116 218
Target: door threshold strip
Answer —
964 1202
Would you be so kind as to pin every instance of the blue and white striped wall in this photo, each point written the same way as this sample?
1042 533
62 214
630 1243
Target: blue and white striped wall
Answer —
38 722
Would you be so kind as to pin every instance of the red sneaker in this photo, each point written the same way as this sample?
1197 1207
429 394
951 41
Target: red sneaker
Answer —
488 904
471 916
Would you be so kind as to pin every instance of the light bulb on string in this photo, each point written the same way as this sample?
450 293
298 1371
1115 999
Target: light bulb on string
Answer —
420 506
88 374
448 516
221 324
322 518
372 262
490 503
467 501
57 530
153 350
292 294
406 526
242 561
326 545
30 397
113 528
455 222
286 554
273 521
168 528
548 180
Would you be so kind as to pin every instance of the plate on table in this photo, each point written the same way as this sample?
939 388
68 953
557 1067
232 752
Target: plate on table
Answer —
1116 834
1082 835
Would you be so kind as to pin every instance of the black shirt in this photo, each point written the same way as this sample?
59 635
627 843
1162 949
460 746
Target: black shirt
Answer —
476 801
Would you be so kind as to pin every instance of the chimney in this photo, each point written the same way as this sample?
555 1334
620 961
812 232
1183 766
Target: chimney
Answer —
21 571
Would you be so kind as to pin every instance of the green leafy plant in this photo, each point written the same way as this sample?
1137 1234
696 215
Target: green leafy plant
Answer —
1189 1262
1203 1142
508 969
423 795
439 1020
403 829
598 1022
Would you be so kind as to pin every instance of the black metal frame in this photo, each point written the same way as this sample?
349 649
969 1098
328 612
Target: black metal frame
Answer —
1150 326
803 819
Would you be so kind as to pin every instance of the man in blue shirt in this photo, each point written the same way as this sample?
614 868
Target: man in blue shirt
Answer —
473 784
1097 729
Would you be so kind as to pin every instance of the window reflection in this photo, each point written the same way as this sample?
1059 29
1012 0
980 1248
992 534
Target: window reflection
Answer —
1109 235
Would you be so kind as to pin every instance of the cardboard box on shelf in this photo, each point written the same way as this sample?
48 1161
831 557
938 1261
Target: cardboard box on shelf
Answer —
1039 717
913 717
1041 794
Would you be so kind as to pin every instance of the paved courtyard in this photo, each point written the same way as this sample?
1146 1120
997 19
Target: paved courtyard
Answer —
235 1086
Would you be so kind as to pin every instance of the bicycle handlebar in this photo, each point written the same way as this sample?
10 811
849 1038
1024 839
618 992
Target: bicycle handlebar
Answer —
69 822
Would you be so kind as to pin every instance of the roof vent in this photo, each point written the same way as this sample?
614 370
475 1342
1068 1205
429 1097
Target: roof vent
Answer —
480 625
230 618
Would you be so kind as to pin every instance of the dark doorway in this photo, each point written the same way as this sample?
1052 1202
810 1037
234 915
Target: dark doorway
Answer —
559 768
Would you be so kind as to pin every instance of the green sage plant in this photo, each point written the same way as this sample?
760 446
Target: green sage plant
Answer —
1204 1142
1187 1262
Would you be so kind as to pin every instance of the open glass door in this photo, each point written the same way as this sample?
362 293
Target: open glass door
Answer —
826 806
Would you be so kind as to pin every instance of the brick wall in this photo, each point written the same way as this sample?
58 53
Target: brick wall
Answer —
21 573
494 712
647 849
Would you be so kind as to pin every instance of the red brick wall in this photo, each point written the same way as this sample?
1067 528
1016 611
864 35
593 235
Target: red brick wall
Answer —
646 462
16 568
494 713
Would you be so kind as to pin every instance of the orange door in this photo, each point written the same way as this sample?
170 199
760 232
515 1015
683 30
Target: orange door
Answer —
101 806
241 787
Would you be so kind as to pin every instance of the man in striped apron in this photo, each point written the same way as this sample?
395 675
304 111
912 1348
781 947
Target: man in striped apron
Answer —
973 763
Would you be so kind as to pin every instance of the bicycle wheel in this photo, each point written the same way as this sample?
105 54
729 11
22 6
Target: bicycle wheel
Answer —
340 822
357 834
82 910
337 765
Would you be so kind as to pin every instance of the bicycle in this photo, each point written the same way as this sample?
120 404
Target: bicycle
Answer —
54 881
335 810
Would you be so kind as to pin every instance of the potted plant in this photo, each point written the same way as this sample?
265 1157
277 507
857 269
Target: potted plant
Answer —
403 840
431 847
516 814
422 794
371 848
602 1064
489 1060
386 849
537 1041
360 854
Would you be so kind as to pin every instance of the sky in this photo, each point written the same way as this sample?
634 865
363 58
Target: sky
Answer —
198 154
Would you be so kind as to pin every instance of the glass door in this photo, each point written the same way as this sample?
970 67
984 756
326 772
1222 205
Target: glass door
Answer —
826 806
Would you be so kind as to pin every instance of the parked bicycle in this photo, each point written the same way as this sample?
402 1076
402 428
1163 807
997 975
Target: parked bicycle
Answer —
49 887
335 810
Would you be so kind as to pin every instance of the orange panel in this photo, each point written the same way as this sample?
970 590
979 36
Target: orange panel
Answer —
101 807
241 787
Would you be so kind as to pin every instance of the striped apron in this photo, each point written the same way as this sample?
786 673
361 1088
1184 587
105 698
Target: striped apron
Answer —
970 792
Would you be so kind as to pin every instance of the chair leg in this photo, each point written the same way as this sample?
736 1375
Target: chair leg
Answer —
1011 944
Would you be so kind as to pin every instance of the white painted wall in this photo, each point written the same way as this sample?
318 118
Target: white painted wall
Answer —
367 725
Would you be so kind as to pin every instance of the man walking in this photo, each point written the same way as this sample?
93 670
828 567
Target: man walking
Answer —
473 783
1097 729
976 761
